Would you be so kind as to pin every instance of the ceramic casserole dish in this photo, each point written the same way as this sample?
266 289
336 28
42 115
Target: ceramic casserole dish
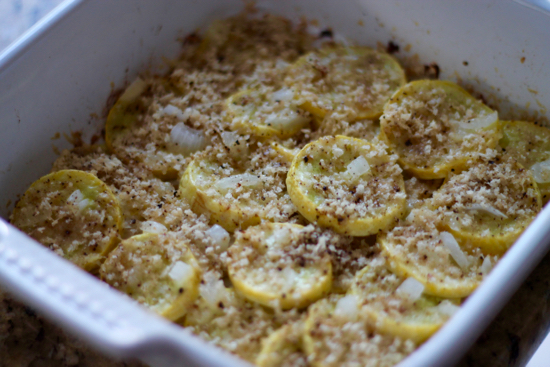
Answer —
58 76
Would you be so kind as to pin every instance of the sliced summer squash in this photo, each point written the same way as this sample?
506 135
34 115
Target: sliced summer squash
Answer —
347 184
529 144
266 113
436 127
206 192
275 264
354 80
335 335
158 270
283 347
73 213
123 114
418 248
397 305
489 205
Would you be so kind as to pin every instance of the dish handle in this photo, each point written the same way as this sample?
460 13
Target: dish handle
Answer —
88 308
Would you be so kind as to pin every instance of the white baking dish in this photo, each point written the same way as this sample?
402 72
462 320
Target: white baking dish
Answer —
58 76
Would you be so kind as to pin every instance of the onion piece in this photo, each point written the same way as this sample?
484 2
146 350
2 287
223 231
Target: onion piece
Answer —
287 119
186 140
180 273
447 308
152 227
172 110
456 252
283 94
411 289
541 171
78 201
219 236
133 91
347 307
479 122
213 291
232 182
486 266
487 209
357 168
229 138
236 144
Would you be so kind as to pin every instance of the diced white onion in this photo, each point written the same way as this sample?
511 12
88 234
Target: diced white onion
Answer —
75 197
229 138
186 140
541 171
172 110
231 182
456 252
410 288
180 273
219 236
347 307
152 227
410 217
486 266
236 143
133 91
337 151
447 308
213 291
487 209
77 200
287 119
480 122
358 167
283 94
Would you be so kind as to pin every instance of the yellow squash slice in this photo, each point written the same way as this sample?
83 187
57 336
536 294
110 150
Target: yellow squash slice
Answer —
529 144
352 80
124 113
277 265
157 270
397 306
436 126
241 43
489 205
283 348
225 318
347 184
159 141
266 113
417 248
73 213
233 196
335 335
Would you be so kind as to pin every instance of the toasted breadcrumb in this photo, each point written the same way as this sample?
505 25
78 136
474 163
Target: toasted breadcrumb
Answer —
495 196
344 340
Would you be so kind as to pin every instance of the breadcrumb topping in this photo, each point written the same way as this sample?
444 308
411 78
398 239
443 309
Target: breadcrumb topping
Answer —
428 126
493 197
